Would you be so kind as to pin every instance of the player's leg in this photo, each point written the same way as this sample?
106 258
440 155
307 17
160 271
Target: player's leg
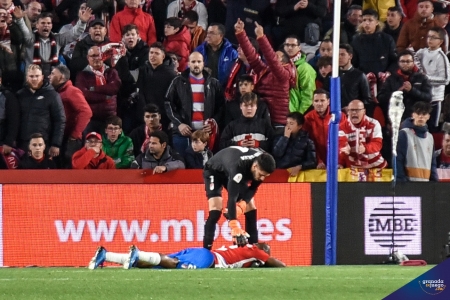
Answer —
213 188
143 259
101 256
251 226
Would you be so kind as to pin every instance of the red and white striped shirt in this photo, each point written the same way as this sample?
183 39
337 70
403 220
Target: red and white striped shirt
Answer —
198 101
368 133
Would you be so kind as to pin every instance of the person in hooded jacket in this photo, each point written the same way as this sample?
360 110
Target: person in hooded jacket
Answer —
178 40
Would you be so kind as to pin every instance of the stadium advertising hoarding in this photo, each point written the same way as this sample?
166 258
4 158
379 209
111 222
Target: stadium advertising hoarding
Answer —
62 224
367 218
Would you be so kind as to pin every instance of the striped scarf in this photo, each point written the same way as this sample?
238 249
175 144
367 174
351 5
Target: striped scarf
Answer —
53 53
99 76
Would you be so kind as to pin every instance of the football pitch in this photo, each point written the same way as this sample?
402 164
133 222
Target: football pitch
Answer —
316 282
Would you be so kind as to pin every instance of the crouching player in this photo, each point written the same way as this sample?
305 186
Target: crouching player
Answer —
191 258
240 170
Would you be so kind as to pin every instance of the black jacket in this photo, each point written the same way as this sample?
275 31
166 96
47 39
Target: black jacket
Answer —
29 162
41 112
9 117
194 160
179 100
235 132
233 111
393 33
153 84
79 57
420 91
374 53
354 85
295 151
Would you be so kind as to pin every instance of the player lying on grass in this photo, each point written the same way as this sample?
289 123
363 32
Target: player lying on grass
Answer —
191 258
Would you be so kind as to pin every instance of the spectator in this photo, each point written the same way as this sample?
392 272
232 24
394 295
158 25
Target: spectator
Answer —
233 107
325 49
373 50
178 40
32 11
218 53
36 159
360 139
300 96
294 150
249 11
99 85
77 111
133 14
349 26
67 10
179 8
175 59
415 85
354 84
294 16
92 156
443 155
97 37
159 156
198 34
116 145
316 124
11 40
141 135
276 76
414 31
42 47
154 80
415 148
434 64
240 67
198 154
41 111
441 14
324 68
194 101
249 130
393 24
9 119
128 69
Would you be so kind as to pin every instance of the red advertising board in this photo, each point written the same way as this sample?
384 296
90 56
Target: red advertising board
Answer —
62 224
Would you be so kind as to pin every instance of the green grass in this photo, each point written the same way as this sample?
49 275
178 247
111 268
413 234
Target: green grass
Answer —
318 282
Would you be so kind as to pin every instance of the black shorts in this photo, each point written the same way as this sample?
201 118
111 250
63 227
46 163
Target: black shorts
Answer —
214 182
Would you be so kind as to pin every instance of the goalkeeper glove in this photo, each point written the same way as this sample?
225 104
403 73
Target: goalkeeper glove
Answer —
240 237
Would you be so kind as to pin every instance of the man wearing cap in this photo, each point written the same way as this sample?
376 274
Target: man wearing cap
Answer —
92 155
42 46
414 32
97 37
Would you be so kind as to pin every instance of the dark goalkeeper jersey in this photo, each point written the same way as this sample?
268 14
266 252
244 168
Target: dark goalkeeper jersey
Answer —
235 164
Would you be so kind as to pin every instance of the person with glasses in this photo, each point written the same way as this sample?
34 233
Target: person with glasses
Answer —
100 85
300 97
116 144
433 62
360 139
92 156
408 79
414 31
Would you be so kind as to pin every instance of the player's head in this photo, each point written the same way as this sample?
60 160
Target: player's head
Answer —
264 247
263 166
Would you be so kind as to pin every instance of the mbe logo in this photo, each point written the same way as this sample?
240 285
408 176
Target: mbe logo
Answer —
392 221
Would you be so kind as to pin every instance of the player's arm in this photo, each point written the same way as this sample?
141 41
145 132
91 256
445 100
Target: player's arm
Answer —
274 263
251 191
240 237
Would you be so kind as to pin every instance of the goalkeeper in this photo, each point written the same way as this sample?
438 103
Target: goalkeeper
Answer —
240 170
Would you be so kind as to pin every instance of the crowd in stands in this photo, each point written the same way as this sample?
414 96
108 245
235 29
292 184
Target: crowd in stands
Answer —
163 85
